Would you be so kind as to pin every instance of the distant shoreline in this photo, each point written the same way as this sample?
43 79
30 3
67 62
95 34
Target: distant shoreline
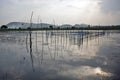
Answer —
39 29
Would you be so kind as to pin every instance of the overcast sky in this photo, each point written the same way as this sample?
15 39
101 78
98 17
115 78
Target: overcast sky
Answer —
95 12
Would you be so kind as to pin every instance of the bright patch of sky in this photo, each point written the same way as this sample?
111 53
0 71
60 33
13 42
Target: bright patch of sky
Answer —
95 12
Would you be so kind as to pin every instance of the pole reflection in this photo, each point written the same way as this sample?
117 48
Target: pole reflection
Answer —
59 42
31 54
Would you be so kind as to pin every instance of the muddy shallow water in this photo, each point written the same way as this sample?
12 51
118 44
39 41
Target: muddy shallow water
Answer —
60 55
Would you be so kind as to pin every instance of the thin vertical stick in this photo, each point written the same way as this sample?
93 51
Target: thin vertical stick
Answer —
38 22
31 20
31 42
42 43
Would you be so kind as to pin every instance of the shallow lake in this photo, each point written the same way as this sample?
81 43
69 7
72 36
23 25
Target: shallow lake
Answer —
60 55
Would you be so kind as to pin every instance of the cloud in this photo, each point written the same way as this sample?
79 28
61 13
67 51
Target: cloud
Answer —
110 6
63 11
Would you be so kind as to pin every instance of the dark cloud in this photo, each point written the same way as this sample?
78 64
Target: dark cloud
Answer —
110 5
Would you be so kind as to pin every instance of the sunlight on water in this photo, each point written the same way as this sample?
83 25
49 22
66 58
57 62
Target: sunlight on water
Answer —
85 71
100 72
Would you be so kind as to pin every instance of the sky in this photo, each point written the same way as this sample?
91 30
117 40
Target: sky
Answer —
93 12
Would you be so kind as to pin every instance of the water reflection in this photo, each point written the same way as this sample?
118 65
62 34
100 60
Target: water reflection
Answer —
31 54
64 54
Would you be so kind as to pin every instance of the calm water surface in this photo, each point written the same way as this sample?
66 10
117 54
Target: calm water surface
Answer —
60 55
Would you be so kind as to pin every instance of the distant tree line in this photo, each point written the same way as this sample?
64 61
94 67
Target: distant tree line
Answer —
51 27
4 27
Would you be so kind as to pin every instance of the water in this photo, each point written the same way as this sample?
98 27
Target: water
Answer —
60 55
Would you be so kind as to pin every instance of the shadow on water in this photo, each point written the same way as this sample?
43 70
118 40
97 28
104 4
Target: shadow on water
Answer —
59 54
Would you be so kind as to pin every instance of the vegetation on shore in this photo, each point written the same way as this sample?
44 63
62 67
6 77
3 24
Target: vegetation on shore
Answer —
5 28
